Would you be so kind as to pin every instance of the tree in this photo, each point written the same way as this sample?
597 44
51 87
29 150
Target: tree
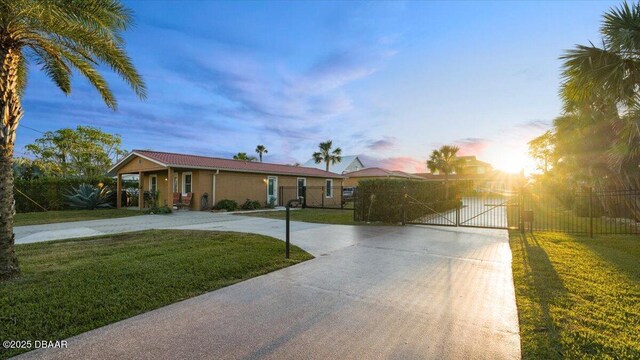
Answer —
59 36
85 151
327 155
261 149
445 161
541 150
243 156
601 84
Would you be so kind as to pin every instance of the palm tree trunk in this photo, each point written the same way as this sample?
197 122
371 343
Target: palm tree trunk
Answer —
327 162
260 154
10 112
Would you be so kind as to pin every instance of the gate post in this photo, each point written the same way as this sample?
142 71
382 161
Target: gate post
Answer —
590 212
404 209
520 210
304 197
458 197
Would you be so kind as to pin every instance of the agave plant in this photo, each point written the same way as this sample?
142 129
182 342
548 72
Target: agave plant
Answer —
89 197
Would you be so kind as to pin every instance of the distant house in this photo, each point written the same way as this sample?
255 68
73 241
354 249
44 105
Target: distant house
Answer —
171 174
377 173
484 177
346 165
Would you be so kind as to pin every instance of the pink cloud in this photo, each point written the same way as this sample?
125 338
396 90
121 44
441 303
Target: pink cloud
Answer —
472 146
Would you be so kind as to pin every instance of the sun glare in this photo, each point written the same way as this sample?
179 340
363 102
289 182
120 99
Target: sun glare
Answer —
511 159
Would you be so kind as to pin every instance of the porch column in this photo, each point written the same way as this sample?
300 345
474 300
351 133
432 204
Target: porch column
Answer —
141 191
119 191
170 187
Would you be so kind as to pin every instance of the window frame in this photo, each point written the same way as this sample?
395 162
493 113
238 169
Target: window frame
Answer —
328 191
184 182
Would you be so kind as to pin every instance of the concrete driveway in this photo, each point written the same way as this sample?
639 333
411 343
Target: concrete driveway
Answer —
372 292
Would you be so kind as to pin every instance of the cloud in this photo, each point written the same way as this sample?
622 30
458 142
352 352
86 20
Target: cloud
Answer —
472 146
402 163
386 143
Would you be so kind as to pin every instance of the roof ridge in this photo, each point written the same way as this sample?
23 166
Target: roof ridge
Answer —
215 157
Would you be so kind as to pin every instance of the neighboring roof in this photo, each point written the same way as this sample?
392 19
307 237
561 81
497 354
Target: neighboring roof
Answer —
380 172
471 160
338 168
205 162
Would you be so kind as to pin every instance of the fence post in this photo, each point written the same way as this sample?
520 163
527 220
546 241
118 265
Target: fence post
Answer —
404 209
520 210
458 199
304 197
590 212
342 197
286 251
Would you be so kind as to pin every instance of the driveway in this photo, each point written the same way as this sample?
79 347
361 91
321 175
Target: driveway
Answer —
371 292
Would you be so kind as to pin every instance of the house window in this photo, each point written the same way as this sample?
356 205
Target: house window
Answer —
186 182
272 188
328 192
175 183
302 182
153 183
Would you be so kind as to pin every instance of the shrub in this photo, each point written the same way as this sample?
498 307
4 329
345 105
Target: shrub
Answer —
251 205
383 199
162 210
89 197
49 192
227 204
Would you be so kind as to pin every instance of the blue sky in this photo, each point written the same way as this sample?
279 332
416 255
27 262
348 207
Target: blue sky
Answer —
391 81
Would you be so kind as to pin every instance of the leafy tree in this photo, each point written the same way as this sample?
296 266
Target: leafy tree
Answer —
601 88
27 169
59 36
244 157
327 155
261 149
85 151
445 161
541 150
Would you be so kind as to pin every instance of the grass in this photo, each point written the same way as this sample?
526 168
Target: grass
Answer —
577 297
72 286
323 216
50 217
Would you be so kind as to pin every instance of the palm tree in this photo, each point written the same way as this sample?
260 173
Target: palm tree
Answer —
261 149
598 78
244 157
445 161
326 155
60 36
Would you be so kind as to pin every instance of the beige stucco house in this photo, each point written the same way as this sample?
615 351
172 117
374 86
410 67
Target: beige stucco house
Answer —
169 173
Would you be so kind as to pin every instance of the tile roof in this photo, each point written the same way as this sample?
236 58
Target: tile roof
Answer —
380 172
206 162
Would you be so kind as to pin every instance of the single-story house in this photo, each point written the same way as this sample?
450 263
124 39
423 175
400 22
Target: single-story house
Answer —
238 180
377 173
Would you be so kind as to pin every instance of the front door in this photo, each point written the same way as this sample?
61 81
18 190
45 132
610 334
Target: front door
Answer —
272 189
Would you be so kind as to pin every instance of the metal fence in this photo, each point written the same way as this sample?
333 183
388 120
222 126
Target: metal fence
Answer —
532 209
319 197
586 211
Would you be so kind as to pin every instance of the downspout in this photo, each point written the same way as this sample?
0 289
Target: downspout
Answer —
213 189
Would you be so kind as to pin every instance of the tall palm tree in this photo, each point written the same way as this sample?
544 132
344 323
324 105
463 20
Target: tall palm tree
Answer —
596 78
59 36
327 155
445 161
261 149
244 157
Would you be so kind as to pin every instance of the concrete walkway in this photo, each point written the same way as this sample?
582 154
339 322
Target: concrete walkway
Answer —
372 292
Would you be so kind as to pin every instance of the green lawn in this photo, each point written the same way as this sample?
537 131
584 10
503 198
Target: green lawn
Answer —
323 216
50 217
72 286
578 298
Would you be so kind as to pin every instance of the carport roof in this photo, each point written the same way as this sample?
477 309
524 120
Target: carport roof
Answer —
167 159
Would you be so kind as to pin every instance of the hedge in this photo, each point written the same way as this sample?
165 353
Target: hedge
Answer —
49 192
382 200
